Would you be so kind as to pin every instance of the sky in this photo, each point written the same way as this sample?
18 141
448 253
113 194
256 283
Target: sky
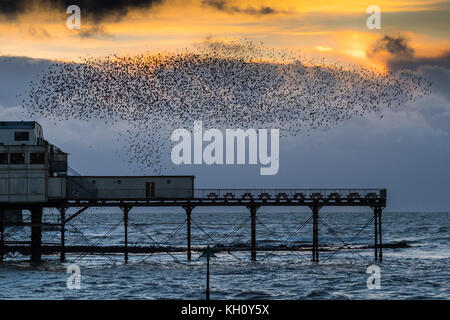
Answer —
336 28
407 150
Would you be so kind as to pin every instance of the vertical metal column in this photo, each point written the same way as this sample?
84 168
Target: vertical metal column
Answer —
207 277
188 210
36 234
125 224
375 215
62 256
207 253
2 239
253 235
380 257
315 249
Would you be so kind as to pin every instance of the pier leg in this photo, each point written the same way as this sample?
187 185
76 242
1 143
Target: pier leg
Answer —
125 224
375 214
380 256
315 248
207 278
62 257
253 210
36 234
2 239
188 210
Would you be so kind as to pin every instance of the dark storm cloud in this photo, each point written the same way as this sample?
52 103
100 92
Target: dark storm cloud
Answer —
12 8
92 10
395 46
223 5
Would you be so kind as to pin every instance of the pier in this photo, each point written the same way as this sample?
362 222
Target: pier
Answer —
252 199
35 176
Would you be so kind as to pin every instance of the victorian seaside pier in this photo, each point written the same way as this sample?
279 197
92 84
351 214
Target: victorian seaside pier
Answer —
35 176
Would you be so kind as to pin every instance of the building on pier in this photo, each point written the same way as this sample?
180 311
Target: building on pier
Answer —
32 170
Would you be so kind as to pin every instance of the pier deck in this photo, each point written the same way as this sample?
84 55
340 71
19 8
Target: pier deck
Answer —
253 199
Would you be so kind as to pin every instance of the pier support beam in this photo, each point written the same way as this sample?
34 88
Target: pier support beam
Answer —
375 245
188 210
2 236
62 257
315 247
253 209
378 243
207 278
126 210
380 256
36 234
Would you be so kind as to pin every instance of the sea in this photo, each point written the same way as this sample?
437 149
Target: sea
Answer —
416 260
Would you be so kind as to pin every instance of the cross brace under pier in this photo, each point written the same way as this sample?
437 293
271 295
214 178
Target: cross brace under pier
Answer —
314 202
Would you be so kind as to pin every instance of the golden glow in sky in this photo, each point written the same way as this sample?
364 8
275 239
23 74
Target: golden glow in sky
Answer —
332 28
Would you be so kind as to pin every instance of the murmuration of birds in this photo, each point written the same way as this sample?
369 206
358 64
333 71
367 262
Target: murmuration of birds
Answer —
232 84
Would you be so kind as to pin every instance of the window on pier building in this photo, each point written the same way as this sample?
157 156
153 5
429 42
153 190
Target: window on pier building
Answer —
17 158
37 158
21 136
3 158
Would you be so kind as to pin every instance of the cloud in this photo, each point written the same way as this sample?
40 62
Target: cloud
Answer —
225 84
230 48
432 110
38 32
224 6
12 8
94 11
16 73
398 151
440 76
96 31
397 53
394 46
399 56
442 60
